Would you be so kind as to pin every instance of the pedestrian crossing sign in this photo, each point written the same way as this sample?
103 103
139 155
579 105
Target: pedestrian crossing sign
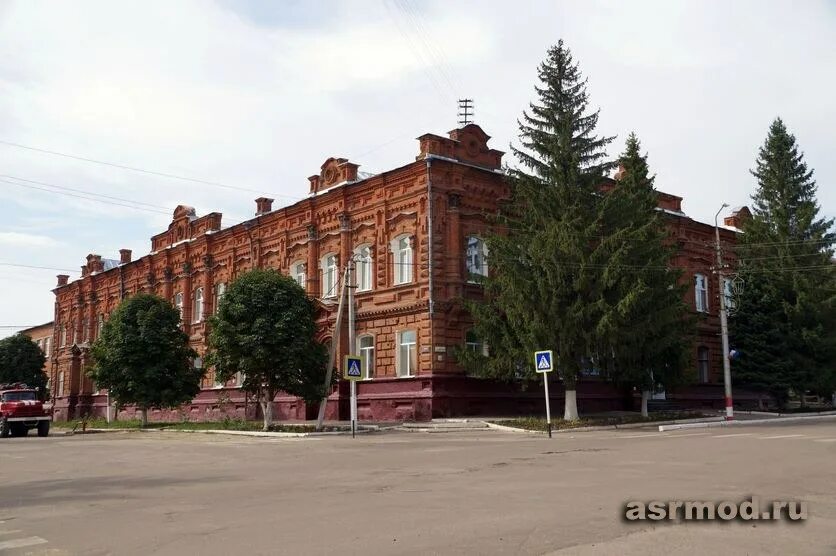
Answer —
352 368
543 361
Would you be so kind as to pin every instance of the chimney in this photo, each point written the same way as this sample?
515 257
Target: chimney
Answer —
62 280
124 256
263 205
314 184
737 217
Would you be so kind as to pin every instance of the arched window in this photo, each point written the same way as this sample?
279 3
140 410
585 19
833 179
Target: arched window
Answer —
403 259
364 267
365 346
298 271
329 275
476 259
197 306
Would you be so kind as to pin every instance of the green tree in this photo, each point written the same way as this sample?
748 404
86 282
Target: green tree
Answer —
21 360
264 329
785 325
544 287
645 330
143 356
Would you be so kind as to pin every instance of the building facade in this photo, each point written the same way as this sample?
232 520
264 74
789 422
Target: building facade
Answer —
42 336
415 233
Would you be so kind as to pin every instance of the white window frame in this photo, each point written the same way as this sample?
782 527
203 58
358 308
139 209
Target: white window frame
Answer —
728 293
477 346
330 269
403 259
60 392
404 365
218 292
367 355
47 346
364 268
100 325
197 306
299 272
63 336
701 293
476 258
178 304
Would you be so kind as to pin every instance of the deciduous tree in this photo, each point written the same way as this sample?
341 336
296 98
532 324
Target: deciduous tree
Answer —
21 360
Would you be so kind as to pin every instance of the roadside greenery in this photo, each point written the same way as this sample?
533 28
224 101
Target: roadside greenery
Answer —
21 360
539 423
264 329
143 357
577 267
785 321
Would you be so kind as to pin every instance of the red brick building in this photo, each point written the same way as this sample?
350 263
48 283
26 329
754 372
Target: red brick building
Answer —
42 336
415 231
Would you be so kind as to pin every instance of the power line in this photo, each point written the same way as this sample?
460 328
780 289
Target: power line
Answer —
63 187
144 171
86 198
19 265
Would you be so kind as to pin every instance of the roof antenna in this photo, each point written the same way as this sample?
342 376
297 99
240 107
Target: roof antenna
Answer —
465 111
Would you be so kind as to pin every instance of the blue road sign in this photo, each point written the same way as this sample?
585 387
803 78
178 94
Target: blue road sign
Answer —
543 361
353 367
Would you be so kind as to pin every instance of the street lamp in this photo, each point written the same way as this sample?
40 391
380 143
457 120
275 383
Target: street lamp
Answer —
724 325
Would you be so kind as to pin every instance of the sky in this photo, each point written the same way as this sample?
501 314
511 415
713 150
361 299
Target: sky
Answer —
253 96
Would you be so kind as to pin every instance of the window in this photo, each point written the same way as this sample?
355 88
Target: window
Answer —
63 337
702 364
363 258
407 359
365 345
220 290
701 293
473 343
329 276
197 307
85 326
402 249
728 294
178 304
99 326
298 271
60 383
476 259
47 346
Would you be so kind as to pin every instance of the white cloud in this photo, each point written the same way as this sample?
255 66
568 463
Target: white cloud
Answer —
20 239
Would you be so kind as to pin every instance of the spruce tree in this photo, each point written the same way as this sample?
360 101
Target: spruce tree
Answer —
543 291
785 326
645 330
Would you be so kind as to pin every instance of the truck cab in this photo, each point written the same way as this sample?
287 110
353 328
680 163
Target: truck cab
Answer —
21 410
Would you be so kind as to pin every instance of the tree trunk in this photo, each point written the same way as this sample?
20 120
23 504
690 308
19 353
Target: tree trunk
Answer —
143 417
570 412
645 397
267 411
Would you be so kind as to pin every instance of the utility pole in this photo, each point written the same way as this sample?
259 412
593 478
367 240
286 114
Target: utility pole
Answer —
724 325
351 340
331 358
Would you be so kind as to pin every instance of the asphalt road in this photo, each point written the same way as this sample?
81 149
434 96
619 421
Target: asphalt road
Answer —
411 493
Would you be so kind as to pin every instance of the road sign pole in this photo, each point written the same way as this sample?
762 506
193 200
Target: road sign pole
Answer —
548 407
352 342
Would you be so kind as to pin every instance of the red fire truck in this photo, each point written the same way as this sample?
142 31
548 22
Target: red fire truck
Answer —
21 410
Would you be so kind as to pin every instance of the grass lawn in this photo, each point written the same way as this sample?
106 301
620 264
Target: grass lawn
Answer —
539 423
227 424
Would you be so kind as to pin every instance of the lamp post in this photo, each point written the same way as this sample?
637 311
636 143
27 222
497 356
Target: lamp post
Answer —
724 325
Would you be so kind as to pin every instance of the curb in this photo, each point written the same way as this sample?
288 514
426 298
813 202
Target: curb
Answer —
775 414
698 420
752 422
366 430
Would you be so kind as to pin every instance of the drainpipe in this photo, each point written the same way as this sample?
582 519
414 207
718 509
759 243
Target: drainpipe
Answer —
431 302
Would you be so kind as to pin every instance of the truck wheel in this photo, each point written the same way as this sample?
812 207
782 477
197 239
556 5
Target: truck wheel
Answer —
43 428
5 429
